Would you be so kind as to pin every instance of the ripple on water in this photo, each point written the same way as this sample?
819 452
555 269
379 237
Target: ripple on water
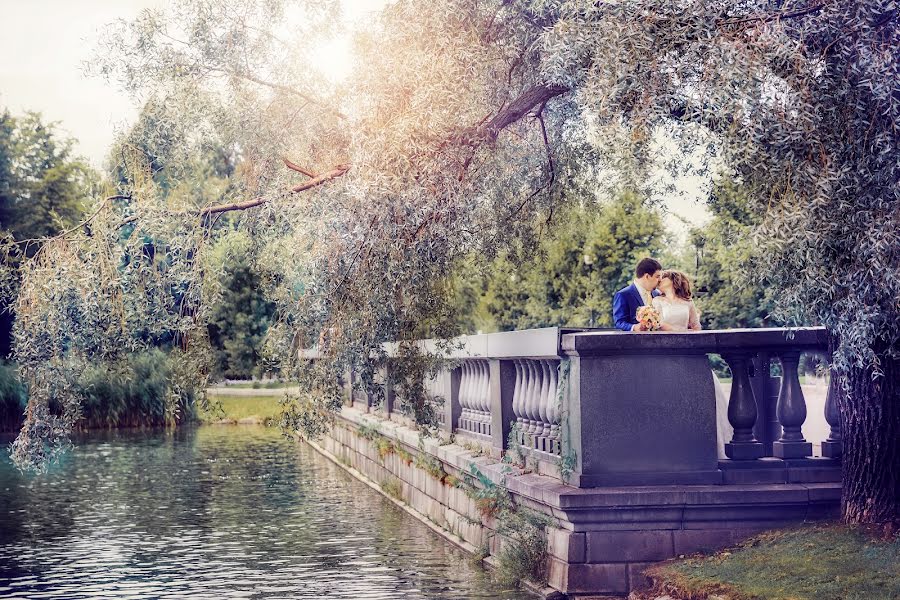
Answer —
216 513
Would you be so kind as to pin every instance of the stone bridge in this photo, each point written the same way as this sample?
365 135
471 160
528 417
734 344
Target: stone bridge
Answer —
618 435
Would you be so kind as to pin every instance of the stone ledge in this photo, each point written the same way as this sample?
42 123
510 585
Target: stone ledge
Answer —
603 537
565 498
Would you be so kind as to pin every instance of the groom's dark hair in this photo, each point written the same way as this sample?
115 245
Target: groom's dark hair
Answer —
647 266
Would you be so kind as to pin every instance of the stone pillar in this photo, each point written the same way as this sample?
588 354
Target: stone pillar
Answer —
833 447
502 386
642 419
742 411
451 406
348 387
387 373
791 410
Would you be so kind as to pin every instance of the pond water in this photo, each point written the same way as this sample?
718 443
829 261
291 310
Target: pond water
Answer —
216 512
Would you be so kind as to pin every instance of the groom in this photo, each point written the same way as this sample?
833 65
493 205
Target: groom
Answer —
627 300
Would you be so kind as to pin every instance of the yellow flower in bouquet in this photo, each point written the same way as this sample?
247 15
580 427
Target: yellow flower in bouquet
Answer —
648 317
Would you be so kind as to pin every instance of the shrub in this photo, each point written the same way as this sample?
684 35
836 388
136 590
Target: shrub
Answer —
13 397
523 553
134 393
392 488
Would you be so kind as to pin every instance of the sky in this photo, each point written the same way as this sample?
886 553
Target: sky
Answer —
45 44
42 51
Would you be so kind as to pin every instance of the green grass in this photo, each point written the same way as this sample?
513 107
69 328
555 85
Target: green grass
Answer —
259 385
264 409
828 562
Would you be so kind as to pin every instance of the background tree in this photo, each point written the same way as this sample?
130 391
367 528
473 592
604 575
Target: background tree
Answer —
801 99
239 320
586 255
43 189
731 296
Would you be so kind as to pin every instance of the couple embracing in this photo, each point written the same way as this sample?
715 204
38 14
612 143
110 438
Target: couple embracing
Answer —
662 300
667 292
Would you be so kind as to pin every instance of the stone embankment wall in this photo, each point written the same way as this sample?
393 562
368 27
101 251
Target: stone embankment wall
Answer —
600 539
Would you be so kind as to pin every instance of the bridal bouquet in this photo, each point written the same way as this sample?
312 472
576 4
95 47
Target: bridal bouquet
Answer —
648 317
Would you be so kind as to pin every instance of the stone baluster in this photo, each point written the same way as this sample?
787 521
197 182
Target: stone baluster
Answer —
544 407
553 413
518 405
461 394
791 410
389 392
742 410
465 396
531 400
347 386
833 447
484 406
430 383
474 401
486 396
526 387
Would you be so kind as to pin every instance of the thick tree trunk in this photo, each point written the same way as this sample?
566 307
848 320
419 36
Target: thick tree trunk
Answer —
870 423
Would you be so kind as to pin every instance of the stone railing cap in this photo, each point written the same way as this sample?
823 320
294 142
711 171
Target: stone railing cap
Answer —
696 342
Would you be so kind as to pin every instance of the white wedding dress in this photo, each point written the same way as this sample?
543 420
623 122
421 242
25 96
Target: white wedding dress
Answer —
683 316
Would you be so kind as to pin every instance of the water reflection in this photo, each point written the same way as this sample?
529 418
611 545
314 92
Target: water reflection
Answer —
216 512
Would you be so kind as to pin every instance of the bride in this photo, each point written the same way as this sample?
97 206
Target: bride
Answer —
678 313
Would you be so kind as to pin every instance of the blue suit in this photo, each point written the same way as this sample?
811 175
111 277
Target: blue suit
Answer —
625 305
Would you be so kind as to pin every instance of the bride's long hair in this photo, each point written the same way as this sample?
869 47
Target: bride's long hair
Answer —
680 282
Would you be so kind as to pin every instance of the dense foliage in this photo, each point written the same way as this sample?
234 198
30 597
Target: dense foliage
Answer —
239 320
584 256
133 393
13 397
731 296
43 190
466 122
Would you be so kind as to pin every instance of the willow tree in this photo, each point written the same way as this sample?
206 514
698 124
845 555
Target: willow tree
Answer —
462 123
802 100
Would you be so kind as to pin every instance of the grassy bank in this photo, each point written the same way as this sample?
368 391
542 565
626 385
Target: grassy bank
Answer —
260 385
243 409
829 562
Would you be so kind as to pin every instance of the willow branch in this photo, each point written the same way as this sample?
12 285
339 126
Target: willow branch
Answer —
314 182
487 130
774 16
298 168
281 88
518 108
74 228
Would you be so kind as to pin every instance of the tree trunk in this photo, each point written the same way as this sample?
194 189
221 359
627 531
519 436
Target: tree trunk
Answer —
870 423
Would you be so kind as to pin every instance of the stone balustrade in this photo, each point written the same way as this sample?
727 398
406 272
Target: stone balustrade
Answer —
618 433
635 409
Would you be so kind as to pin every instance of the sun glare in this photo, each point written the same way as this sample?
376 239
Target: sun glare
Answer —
334 58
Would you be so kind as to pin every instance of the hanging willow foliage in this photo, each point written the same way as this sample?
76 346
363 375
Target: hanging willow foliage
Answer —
463 122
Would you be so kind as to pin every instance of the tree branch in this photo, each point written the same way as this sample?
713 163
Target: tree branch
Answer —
488 129
79 225
314 182
298 168
518 108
